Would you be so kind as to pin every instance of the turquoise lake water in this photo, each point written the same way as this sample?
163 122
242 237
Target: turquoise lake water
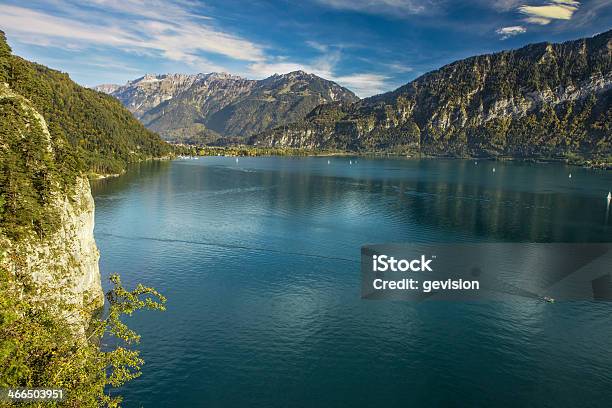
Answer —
259 260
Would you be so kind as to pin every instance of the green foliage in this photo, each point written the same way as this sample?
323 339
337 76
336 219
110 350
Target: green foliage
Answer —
196 134
27 172
51 132
87 132
245 150
5 53
36 349
102 132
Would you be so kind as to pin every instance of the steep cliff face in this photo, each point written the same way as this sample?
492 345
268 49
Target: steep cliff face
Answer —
539 100
214 106
46 223
61 270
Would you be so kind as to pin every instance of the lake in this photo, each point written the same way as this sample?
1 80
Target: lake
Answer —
259 260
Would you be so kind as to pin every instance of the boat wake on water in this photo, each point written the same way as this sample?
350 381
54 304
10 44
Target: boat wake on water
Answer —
230 246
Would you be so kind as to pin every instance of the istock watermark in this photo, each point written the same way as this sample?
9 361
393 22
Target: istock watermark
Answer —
547 272
383 263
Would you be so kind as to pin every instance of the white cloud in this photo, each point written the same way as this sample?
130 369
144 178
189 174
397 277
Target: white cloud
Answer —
593 11
568 2
501 5
537 20
556 10
507 32
317 46
399 68
169 31
387 7
363 84
172 34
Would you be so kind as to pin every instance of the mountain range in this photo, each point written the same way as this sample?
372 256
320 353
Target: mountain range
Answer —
542 100
216 107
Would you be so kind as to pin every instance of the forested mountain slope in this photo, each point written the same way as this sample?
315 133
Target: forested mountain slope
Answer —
102 133
541 100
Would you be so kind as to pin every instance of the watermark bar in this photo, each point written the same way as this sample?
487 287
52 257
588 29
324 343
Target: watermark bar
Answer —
487 271
19 394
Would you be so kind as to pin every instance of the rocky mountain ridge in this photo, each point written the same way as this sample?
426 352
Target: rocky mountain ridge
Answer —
215 106
540 100
106 88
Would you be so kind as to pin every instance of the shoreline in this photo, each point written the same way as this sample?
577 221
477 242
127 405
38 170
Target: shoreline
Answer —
97 176
253 151
103 176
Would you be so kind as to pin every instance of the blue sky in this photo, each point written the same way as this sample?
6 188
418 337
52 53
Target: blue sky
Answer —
370 46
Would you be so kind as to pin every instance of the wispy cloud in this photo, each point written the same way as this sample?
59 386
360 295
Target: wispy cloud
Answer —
507 32
398 68
318 46
134 28
166 31
555 10
363 84
501 5
594 10
384 7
